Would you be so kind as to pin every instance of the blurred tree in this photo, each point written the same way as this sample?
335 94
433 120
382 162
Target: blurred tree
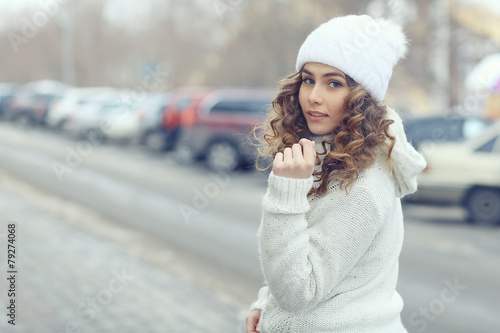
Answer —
263 43
217 42
30 49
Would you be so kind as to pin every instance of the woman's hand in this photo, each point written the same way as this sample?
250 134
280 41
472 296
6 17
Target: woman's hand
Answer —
253 320
297 161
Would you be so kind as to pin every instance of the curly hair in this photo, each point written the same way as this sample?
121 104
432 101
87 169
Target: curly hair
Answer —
351 148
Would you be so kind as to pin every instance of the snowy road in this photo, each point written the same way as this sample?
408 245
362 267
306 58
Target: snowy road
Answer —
449 270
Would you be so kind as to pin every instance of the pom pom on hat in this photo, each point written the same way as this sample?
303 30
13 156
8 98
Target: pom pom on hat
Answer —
362 47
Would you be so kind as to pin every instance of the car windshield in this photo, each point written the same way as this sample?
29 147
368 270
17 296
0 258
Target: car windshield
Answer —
241 106
444 128
474 127
117 108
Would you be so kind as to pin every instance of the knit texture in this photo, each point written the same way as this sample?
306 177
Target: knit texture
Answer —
331 261
364 48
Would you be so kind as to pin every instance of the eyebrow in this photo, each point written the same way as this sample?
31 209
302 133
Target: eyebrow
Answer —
326 74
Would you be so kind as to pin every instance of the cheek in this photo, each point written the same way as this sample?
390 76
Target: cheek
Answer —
337 108
303 102
302 97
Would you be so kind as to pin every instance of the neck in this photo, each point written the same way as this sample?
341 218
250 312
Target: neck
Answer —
319 138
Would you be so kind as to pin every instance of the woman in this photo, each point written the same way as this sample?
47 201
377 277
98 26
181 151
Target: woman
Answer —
332 225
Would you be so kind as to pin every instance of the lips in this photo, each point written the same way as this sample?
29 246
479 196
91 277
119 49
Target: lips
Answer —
316 115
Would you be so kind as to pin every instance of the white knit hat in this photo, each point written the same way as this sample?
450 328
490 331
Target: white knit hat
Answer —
362 47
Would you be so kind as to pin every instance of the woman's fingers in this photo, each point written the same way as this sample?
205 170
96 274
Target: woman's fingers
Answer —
253 320
297 161
297 152
251 327
278 164
309 150
287 154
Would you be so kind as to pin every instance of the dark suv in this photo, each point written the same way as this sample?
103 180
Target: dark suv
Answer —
218 130
30 103
7 91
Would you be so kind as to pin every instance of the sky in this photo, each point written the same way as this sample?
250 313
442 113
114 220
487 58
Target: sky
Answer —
131 7
127 9
493 5
17 5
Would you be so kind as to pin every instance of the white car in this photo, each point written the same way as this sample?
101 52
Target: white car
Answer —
71 101
120 122
467 174
104 116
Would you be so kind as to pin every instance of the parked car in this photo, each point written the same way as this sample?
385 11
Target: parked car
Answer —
69 103
217 130
105 116
150 130
30 102
443 128
7 91
164 136
120 121
466 174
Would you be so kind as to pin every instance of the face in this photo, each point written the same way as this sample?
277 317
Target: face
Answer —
322 97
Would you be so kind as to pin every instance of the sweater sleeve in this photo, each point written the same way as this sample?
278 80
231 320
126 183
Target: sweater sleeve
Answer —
261 299
304 261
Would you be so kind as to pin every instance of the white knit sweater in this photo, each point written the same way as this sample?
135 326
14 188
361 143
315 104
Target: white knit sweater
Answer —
331 261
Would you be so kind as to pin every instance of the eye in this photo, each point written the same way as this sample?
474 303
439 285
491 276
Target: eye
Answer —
308 80
335 84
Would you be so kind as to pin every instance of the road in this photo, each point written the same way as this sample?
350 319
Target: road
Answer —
79 272
448 274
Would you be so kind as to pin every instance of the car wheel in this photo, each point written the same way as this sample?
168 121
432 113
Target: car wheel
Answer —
155 141
223 156
22 119
483 205
60 125
94 135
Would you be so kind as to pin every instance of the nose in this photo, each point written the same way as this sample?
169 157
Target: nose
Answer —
315 96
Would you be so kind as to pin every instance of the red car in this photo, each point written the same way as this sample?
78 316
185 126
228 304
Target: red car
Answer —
160 133
217 129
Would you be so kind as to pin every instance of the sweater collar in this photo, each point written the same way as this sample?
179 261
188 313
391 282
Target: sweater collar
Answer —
318 139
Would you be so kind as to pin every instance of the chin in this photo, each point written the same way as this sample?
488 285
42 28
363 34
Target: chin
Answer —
319 131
